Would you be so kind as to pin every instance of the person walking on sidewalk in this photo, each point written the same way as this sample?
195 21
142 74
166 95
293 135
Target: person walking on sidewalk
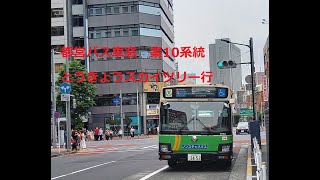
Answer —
111 134
132 132
100 134
82 141
120 132
107 134
96 134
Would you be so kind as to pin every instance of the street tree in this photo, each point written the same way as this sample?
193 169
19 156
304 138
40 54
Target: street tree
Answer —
84 93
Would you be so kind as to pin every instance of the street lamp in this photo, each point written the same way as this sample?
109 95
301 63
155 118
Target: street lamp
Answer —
250 46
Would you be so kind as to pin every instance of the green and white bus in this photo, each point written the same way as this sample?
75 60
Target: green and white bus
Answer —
195 124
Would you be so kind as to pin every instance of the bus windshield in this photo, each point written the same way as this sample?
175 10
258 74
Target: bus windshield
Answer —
196 117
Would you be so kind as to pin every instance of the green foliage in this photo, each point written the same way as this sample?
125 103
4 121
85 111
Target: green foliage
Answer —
84 93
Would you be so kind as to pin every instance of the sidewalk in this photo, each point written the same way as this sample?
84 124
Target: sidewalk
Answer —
63 151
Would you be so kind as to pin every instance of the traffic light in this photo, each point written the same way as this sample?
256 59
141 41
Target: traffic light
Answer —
112 117
226 64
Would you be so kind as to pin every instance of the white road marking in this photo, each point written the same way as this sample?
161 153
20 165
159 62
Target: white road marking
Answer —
82 170
151 174
153 146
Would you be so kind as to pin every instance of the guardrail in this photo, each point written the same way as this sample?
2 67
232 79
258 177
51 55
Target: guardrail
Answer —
261 166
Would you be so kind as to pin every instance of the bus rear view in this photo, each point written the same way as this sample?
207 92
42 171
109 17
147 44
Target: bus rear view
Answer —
195 124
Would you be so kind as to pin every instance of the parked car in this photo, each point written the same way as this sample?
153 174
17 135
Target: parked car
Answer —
242 127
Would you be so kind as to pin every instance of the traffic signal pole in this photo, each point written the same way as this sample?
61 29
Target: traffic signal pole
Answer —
254 106
226 65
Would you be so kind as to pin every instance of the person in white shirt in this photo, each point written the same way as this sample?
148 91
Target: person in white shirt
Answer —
132 132
120 132
100 134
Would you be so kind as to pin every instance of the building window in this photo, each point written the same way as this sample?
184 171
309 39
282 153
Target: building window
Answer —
98 35
125 9
108 10
56 12
77 21
98 11
134 32
117 32
125 32
57 48
91 13
134 8
77 1
116 10
57 67
78 42
57 31
108 34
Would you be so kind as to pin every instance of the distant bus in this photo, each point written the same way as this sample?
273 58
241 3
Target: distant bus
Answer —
195 124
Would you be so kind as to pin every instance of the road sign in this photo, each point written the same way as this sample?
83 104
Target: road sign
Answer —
65 97
56 115
65 88
246 111
248 79
248 87
116 101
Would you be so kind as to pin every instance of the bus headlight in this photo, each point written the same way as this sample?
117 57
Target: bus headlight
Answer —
225 148
164 147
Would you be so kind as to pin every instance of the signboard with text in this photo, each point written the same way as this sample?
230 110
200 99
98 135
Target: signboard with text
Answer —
265 88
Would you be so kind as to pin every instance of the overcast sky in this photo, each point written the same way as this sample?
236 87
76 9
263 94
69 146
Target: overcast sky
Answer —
200 22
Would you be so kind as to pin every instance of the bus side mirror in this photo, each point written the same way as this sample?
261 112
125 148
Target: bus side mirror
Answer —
231 101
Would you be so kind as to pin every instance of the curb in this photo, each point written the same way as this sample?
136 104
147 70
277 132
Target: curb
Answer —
249 167
62 154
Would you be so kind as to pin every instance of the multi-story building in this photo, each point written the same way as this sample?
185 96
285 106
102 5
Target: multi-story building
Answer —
187 79
222 51
258 78
124 23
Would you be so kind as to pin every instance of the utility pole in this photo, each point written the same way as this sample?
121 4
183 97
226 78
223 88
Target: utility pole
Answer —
69 44
121 114
253 80
54 137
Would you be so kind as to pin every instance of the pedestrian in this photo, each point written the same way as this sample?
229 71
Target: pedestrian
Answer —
92 135
100 134
132 132
107 134
82 141
149 131
111 134
120 132
96 134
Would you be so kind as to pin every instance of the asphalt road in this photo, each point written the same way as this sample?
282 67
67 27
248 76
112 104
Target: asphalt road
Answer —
134 160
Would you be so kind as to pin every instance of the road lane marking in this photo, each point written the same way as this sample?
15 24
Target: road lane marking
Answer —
151 174
149 146
82 170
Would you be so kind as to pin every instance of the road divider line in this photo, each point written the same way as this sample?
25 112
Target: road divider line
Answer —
148 146
151 174
82 170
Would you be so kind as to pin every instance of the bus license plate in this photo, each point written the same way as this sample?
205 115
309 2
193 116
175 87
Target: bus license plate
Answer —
194 157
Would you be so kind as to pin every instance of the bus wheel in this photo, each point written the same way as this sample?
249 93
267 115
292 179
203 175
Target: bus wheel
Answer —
172 163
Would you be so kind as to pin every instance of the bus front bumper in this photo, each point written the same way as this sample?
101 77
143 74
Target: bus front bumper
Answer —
183 157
